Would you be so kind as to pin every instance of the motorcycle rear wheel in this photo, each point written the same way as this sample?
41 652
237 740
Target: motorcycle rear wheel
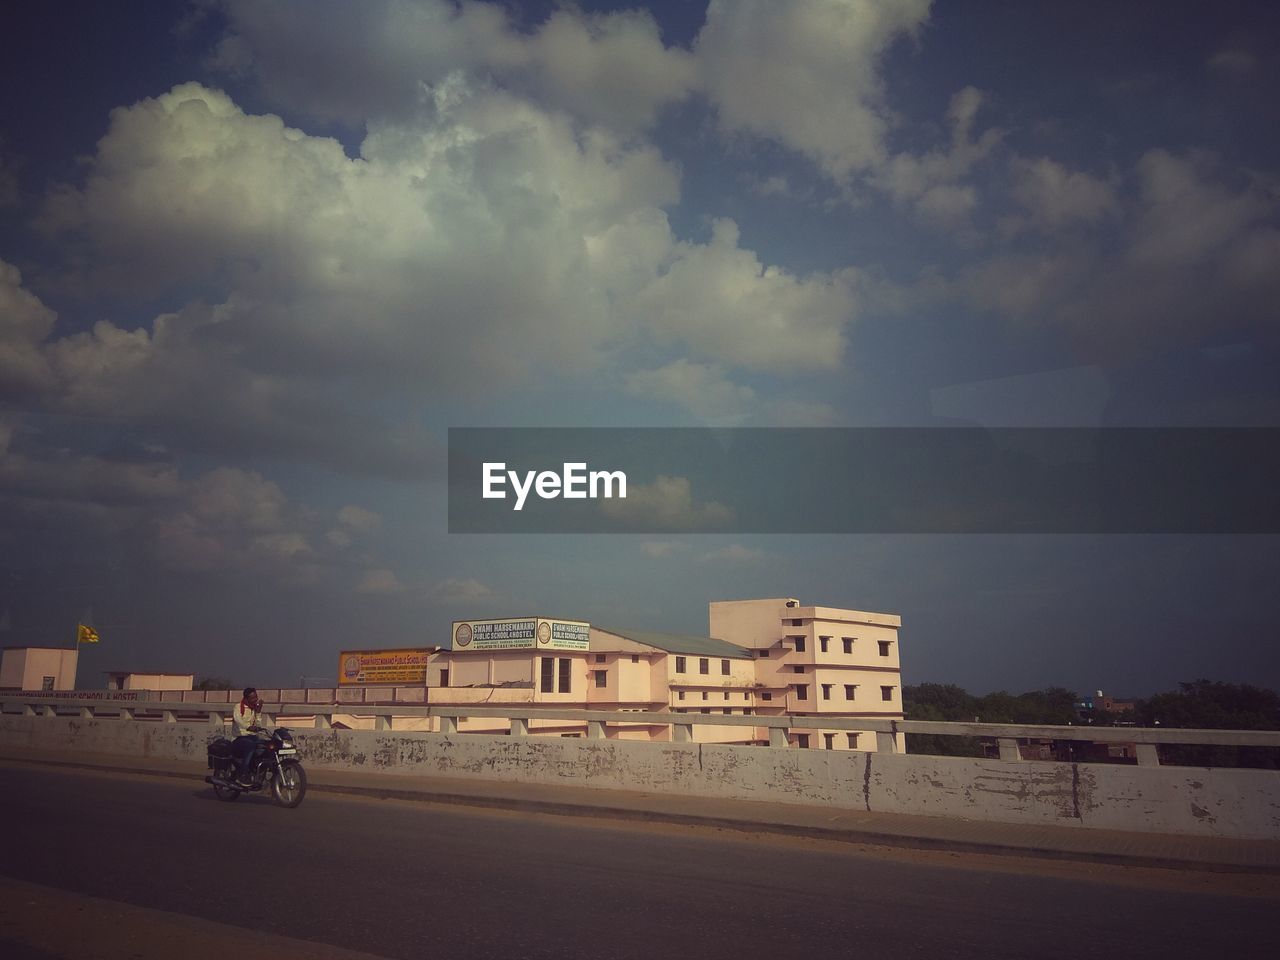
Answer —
227 794
290 785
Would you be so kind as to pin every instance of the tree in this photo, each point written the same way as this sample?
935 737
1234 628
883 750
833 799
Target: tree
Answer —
1214 705
213 683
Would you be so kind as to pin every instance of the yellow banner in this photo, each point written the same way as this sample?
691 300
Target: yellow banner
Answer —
407 666
86 634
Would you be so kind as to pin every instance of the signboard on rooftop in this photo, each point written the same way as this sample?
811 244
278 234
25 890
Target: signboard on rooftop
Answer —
407 666
521 633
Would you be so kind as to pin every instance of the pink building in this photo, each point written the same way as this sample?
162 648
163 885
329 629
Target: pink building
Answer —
761 657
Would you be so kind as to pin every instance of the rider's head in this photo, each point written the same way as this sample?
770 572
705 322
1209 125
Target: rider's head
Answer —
251 695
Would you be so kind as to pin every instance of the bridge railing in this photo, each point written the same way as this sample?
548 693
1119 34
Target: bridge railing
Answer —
128 707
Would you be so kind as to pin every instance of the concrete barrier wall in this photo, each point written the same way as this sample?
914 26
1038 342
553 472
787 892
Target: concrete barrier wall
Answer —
1179 800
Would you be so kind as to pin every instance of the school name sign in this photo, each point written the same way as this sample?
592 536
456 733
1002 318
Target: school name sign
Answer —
521 633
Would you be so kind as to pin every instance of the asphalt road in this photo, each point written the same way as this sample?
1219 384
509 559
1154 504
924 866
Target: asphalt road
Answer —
411 880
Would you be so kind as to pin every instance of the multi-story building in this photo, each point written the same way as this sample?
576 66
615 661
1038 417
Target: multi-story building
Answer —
761 657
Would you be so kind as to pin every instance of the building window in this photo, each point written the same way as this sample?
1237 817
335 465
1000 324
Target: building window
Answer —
797 669
679 664
706 709
850 691
726 694
704 695
746 696
853 740
566 664
747 711
802 741
444 678
728 710
766 695
848 644
548 684
826 691
704 665
46 683
799 644
679 694
884 647
886 693
635 658
822 643
797 623
763 654
802 690
724 667
602 678
830 740
599 658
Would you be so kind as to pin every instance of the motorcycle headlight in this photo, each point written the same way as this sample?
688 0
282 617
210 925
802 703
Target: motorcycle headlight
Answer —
288 744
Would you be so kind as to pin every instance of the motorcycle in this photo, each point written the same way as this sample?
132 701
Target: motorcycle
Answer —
274 766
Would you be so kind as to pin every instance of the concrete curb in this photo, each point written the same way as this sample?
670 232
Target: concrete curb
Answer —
633 814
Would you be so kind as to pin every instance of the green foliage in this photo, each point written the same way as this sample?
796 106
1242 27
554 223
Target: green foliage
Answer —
1201 705
213 683
1214 705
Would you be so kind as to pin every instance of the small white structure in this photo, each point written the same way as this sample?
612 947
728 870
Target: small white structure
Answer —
148 680
38 668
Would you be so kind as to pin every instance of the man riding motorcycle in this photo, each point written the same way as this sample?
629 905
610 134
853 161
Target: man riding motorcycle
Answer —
245 727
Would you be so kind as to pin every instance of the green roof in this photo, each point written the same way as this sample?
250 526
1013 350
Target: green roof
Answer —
681 643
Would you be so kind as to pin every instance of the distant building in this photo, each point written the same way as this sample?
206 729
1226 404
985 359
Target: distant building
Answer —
768 657
148 680
38 668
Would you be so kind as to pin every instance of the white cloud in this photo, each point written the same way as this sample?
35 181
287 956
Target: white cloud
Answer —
805 73
380 582
608 69
661 549
725 305
665 504
1054 196
25 322
931 183
700 388
734 553
359 519
453 589
486 234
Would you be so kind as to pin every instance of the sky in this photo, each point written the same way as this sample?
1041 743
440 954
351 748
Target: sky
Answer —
257 257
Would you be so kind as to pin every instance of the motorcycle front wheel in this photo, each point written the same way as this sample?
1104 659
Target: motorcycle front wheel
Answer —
289 786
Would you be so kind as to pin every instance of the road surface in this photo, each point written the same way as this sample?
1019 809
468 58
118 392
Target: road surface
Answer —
135 866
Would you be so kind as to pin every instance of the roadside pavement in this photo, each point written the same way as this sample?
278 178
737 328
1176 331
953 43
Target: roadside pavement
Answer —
852 826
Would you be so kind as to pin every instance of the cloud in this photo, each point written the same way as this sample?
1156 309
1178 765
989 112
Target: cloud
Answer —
452 589
359 519
381 582
1188 260
805 74
483 234
1054 196
25 322
1232 62
665 504
700 388
607 69
931 184
724 304
734 553
661 549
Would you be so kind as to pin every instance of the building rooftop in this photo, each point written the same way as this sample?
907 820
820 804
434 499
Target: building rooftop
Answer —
681 643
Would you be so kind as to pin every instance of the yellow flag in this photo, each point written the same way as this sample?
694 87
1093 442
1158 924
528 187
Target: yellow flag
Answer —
86 634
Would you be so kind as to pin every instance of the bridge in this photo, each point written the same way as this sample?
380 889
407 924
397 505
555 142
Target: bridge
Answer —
1147 797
